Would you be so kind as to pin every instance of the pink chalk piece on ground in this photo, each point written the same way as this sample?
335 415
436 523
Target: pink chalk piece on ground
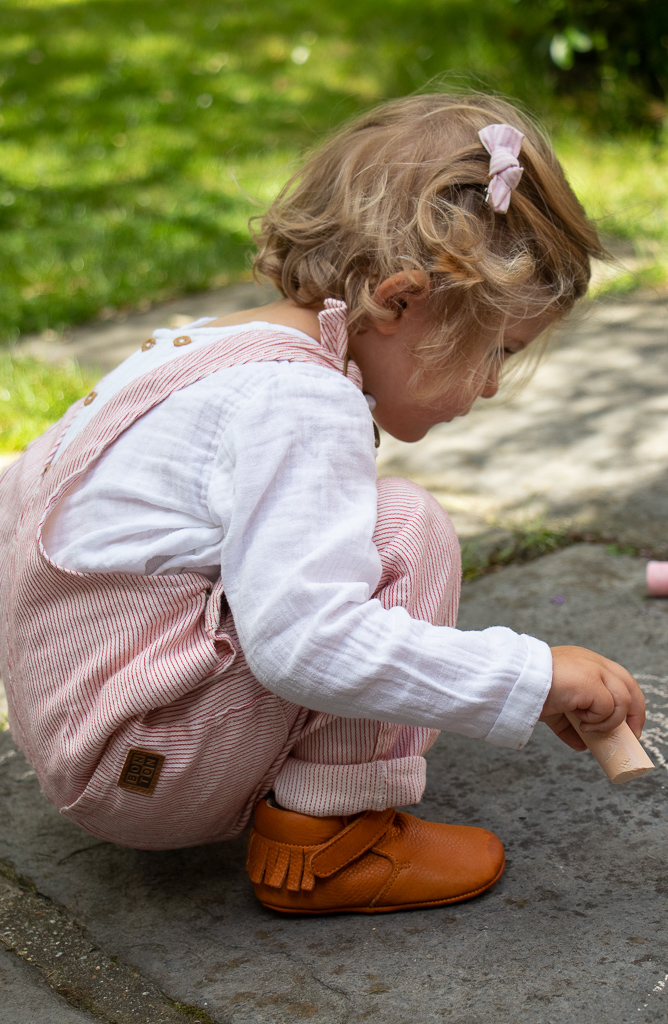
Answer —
657 579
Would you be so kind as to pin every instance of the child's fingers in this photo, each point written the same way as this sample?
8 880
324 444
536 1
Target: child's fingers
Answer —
600 692
623 701
636 724
560 725
609 707
636 713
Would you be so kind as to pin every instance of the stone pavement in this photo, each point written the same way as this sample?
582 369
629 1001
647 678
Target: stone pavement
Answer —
104 344
576 930
582 448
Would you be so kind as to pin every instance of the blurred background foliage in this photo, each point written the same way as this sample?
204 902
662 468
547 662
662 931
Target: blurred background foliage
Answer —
137 135
612 57
33 395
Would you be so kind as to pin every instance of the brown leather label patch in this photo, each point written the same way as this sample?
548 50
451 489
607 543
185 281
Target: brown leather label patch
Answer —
141 771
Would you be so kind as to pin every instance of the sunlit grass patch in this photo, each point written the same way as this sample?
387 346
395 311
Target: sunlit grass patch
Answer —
526 541
623 185
33 395
136 137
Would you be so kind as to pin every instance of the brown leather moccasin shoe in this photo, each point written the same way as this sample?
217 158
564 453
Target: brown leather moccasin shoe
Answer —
371 863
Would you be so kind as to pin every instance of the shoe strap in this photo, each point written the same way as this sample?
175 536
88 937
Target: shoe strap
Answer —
277 864
356 838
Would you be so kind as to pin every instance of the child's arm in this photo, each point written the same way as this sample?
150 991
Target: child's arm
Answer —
599 692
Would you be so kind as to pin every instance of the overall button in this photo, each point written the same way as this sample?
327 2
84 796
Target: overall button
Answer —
149 343
90 398
182 340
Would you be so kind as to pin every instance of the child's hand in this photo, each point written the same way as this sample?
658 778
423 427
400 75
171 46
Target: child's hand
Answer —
600 692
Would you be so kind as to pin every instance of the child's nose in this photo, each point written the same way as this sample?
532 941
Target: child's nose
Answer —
491 385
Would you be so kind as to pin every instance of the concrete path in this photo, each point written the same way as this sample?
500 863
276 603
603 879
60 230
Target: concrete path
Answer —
28 999
104 344
583 448
577 929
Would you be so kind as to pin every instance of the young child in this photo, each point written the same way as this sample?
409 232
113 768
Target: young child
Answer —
206 594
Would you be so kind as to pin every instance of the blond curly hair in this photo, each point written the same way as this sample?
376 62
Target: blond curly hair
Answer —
403 188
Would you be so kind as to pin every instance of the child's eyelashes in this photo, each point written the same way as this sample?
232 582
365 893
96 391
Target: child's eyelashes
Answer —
499 355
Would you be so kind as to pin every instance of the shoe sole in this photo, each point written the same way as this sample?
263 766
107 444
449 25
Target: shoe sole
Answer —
390 910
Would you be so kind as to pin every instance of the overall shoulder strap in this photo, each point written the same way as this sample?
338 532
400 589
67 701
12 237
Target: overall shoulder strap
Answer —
148 390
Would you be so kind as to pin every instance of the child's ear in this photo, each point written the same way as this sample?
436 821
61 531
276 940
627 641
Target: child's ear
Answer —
397 294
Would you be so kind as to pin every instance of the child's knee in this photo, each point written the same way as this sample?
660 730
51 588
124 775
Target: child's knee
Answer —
419 551
404 506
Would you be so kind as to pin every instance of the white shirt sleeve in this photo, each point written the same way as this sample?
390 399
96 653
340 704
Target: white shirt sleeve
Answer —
299 568
267 470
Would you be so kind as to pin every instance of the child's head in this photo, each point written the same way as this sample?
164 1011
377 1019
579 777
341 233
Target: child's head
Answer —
403 188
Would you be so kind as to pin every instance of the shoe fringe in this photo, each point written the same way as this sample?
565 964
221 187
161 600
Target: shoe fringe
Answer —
271 862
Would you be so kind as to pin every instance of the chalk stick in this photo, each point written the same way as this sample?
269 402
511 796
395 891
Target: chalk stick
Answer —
657 579
618 752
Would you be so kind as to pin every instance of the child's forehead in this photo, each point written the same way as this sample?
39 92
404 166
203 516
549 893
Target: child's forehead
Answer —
516 332
526 328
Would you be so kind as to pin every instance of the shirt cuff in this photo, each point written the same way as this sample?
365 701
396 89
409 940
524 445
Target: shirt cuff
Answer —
525 701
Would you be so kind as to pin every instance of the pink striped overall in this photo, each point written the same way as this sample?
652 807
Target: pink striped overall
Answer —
130 695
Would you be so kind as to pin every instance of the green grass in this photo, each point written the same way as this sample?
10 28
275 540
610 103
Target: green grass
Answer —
136 135
33 395
529 540
623 184
533 539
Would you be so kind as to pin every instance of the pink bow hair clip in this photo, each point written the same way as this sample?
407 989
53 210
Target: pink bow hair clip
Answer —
503 143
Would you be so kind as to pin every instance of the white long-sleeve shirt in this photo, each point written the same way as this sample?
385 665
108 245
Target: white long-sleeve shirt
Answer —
265 473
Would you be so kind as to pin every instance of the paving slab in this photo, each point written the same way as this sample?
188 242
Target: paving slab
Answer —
583 448
103 344
27 998
80 975
576 930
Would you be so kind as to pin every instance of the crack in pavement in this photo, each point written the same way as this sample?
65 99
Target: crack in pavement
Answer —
310 970
47 937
